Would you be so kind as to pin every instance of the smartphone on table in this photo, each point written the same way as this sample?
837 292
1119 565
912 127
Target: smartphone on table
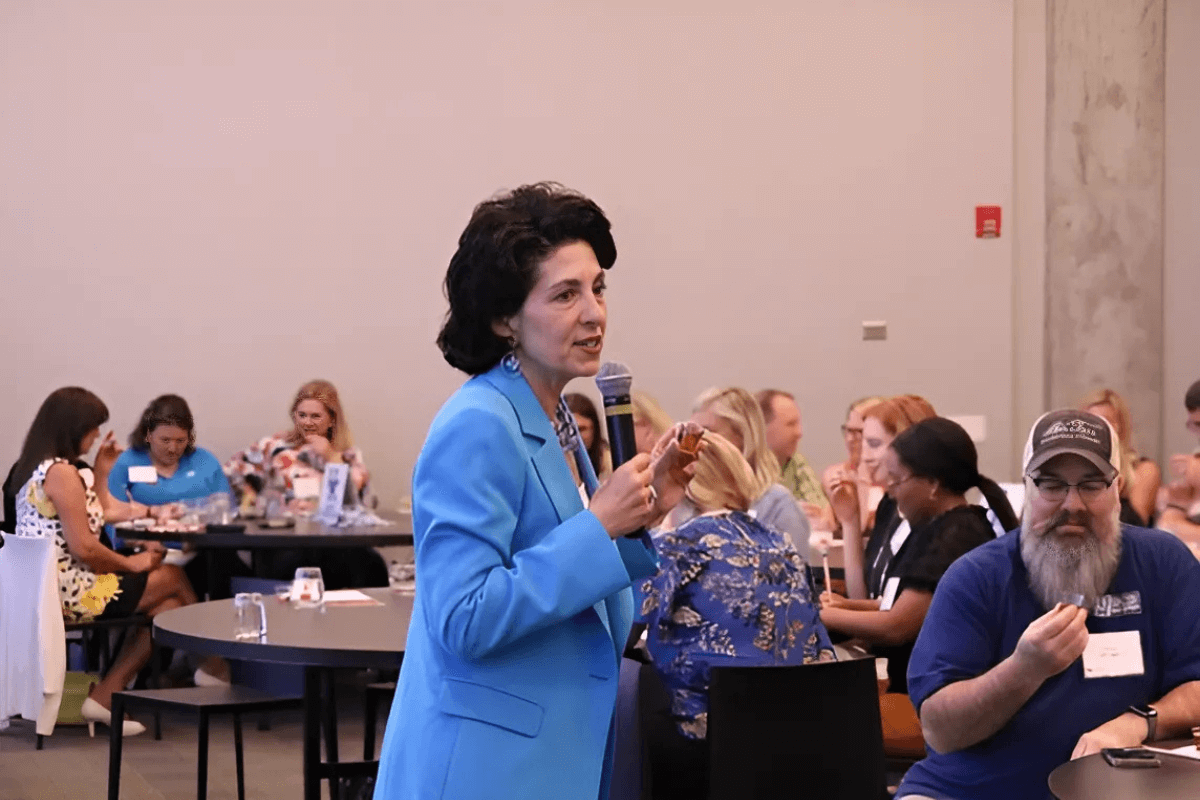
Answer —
1127 757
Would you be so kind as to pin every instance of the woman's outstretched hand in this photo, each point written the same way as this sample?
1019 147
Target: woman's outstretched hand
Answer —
673 462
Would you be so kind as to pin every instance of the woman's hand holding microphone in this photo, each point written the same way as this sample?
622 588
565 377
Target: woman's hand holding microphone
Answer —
641 491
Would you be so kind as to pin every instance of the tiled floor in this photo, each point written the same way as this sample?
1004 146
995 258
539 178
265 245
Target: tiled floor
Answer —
73 767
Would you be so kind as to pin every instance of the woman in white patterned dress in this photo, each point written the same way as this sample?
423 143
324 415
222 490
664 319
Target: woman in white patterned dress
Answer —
55 495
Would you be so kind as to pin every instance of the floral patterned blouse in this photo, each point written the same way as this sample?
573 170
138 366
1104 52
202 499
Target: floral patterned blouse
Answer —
730 591
84 594
273 463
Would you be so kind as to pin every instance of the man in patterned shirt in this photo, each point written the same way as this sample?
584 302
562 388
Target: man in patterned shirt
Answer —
784 430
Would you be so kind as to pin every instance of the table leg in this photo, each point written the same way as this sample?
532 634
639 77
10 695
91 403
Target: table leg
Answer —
210 557
202 757
312 733
116 730
331 744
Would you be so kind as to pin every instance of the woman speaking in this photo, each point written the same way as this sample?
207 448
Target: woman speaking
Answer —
523 600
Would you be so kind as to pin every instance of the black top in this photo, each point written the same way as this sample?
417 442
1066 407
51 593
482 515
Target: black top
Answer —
1130 516
9 523
879 546
922 561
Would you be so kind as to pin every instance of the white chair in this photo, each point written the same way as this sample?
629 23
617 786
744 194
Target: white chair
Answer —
33 650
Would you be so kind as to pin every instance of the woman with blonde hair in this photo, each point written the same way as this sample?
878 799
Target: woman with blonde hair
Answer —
724 576
650 422
280 464
734 414
1140 477
287 468
882 423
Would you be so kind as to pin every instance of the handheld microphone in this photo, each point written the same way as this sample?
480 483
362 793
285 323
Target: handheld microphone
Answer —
615 383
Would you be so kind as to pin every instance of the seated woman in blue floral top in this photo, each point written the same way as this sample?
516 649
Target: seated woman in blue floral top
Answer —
730 591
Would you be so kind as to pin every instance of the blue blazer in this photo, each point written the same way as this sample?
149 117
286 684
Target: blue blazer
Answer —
523 606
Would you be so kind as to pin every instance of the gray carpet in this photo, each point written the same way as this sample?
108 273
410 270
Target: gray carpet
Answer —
73 767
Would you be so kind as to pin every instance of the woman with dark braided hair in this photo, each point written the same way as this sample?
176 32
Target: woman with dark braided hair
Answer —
929 469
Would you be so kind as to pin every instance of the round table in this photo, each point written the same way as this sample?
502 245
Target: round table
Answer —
256 536
306 533
1091 778
318 640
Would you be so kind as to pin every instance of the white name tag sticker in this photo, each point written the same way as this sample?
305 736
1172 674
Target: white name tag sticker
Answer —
1113 655
145 474
304 488
890 589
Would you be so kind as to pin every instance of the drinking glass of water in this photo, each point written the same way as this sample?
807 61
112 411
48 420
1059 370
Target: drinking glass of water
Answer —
251 616
402 578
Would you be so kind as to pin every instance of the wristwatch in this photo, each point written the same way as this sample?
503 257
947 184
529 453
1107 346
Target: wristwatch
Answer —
1150 714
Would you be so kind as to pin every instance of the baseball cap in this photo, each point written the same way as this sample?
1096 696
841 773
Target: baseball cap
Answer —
1077 432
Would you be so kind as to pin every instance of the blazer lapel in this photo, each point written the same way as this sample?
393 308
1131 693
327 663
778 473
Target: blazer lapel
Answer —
544 451
550 463
584 463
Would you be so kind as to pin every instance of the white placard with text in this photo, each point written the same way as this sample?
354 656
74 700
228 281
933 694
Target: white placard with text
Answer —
333 489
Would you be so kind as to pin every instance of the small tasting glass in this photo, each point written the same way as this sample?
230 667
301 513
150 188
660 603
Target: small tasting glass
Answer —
308 588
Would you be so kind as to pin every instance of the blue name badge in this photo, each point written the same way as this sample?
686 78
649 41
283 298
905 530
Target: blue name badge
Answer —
1118 605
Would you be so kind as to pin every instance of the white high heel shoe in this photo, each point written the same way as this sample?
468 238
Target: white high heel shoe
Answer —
93 712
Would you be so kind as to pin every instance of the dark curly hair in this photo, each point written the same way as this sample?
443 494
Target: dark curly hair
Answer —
167 409
496 264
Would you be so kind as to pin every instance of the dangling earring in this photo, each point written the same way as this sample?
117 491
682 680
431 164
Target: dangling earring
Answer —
510 361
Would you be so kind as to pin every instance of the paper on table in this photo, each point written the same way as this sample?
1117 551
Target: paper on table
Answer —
349 597
1187 751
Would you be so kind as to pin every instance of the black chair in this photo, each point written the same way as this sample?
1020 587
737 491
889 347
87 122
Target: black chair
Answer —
91 628
811 730
205 701
97 632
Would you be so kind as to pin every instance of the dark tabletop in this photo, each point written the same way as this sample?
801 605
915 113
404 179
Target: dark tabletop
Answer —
338 636
306 533
1091 778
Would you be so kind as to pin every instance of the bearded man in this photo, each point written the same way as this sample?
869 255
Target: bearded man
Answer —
1071 634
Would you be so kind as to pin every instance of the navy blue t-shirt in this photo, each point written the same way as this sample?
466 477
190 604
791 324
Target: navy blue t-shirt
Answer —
979 611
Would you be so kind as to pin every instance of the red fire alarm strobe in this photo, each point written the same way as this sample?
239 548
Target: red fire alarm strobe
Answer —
987 222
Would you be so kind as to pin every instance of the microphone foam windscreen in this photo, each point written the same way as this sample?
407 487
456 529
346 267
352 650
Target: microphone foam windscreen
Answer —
613 380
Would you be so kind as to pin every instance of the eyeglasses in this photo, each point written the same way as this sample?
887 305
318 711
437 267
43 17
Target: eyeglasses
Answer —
855 433
894 482
1054 490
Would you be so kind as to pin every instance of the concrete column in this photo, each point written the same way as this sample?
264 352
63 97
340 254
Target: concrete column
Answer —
1104 205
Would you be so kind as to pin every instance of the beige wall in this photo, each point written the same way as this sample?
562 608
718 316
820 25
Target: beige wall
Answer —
1181 268
224 200
1029 388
